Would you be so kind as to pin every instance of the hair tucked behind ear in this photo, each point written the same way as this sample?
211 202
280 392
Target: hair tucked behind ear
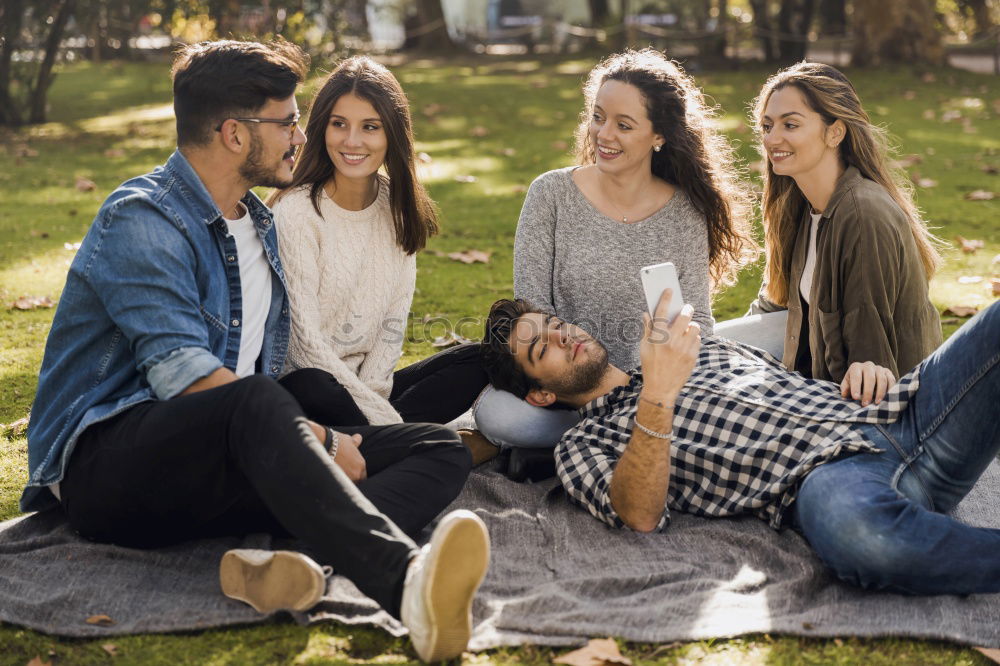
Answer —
696 157
828 92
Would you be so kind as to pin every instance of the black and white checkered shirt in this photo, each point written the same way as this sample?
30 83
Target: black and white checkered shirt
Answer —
745 433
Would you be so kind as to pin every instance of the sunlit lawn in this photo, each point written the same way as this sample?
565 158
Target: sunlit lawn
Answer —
501 123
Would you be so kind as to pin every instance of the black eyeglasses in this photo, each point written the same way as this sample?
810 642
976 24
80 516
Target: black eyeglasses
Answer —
288 124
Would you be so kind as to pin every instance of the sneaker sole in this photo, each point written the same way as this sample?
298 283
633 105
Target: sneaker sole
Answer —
285 581
463 555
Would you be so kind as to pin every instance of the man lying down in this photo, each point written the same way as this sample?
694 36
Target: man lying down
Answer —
715 428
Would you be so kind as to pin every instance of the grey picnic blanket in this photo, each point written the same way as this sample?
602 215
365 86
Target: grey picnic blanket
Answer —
557 576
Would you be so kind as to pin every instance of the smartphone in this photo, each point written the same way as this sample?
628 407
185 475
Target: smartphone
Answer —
657 278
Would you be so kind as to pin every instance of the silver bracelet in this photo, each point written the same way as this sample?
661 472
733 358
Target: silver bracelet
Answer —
333 439
651 433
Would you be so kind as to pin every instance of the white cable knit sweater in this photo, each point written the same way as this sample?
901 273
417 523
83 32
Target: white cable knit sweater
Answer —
350 287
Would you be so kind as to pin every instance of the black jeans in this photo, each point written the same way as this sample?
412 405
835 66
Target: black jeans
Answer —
240 458
437 389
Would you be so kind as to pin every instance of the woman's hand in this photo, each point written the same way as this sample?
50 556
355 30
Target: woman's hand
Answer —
864 381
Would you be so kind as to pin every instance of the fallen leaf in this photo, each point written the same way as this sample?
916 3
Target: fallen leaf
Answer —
465 178
539 84
909 94
926 182
32 303
929 114
597 652
961 310
114 152
450 339
37 661
990 169
970 279
995 282
111 649
471 257
72 247
100 620
928 77
560 145
906 161
950 115
969 246
838 642
980 195
424 157
85 185
991 653
479 130
508 152
808 626
15 429
432 109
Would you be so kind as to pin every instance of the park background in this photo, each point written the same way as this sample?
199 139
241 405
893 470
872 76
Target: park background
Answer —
494 87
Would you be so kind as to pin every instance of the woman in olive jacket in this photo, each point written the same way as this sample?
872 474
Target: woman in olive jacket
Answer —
847 253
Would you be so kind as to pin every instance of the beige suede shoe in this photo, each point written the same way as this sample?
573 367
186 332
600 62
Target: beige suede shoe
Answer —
440 584
272 580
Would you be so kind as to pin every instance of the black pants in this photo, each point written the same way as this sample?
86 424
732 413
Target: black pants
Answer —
240 458
438 389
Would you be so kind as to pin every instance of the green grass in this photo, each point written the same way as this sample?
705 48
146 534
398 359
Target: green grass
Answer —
113 121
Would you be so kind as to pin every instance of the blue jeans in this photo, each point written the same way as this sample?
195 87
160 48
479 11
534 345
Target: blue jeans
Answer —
507 421
878 519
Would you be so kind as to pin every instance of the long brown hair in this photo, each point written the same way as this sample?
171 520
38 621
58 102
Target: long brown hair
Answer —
695 156
413 214
865 146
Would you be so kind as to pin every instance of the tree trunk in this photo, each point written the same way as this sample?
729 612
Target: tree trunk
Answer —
428 32
794 20
13 16
981 15
40 92
899 31
357 18
762 24
833 17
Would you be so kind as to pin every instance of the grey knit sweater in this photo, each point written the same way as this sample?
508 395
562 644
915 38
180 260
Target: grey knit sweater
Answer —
575 262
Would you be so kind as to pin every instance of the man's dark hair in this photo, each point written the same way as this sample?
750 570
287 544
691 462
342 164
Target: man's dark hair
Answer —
214 81
502 368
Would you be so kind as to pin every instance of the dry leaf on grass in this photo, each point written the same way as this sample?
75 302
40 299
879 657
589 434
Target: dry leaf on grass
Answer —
432 109
111 649
479 130
970 279
560 145
969 246
597 652
15 429
508 152
539 84
990 168
961 310
906 161
37 661
32 303
85 185
909 94
928 114
25 151
980 195
465 178
995 282
471 256
926 182
991 653
424 157
114 152
450 339
100 620
72 247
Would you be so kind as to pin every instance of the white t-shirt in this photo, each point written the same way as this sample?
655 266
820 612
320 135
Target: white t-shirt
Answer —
805 284
255 283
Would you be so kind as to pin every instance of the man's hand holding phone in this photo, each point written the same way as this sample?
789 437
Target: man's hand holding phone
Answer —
668 351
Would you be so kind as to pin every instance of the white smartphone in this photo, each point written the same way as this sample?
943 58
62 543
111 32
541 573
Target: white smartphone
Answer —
657 278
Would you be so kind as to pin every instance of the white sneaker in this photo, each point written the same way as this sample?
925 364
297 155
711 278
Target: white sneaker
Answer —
440 584
272 580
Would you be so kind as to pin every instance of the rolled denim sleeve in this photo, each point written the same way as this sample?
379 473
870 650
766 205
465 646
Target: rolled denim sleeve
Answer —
179 370
143 270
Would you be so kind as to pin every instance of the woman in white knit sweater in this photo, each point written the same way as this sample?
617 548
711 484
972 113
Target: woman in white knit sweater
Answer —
348 238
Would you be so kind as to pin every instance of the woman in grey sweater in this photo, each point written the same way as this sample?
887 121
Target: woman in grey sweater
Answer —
655 182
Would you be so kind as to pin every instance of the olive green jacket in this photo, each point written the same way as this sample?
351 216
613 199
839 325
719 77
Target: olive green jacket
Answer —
869 292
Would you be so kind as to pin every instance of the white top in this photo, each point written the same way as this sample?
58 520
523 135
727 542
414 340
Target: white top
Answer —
805 284
255 284
350 287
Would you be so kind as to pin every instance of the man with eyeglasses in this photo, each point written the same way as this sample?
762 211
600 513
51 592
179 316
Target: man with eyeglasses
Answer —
160 417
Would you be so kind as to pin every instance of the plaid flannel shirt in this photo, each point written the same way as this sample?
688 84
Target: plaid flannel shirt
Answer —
745 433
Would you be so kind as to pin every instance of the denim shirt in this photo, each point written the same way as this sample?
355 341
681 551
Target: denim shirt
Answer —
152 303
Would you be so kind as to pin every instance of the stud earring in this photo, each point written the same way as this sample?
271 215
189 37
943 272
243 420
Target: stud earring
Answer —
656 148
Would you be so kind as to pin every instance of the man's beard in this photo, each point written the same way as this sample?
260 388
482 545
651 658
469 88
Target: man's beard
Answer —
584 377
256 173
